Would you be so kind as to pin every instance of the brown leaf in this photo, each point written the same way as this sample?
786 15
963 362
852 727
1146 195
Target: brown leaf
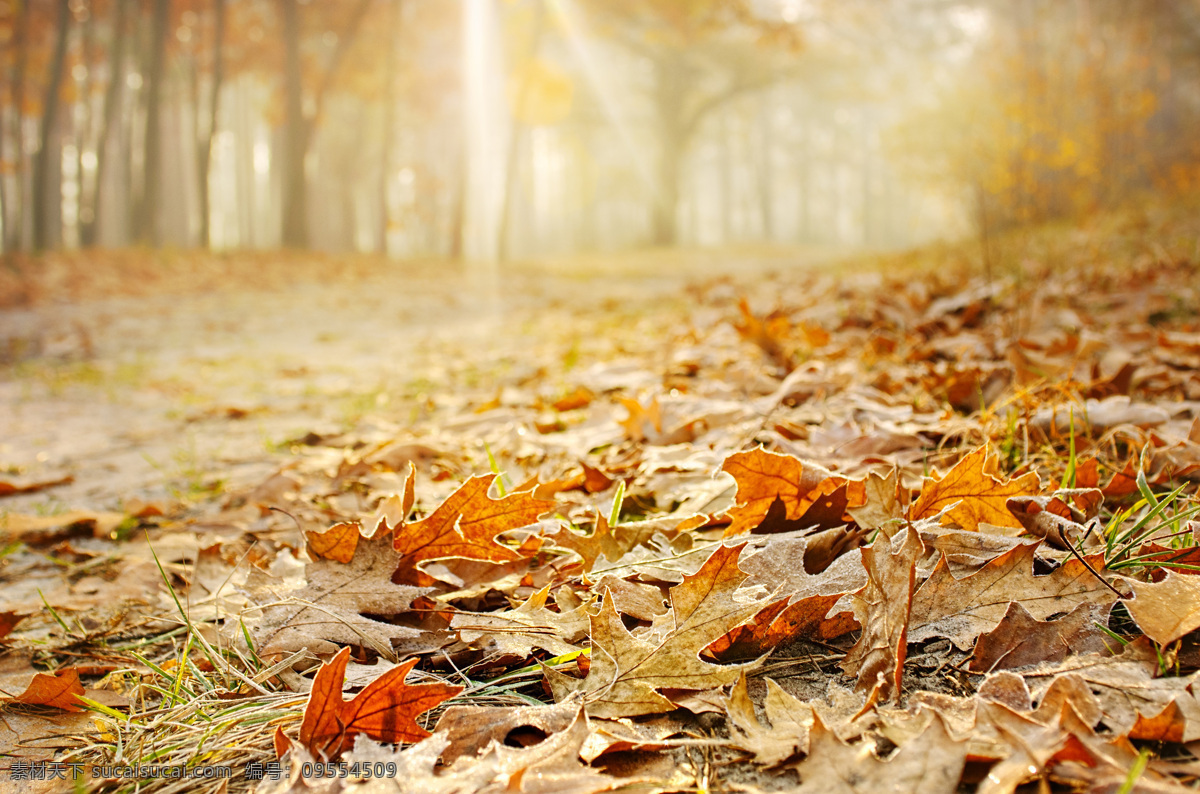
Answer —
10 489
882 607
981 497
931 763
531 625
58 689
9 620
768 481
465 526
1167 610
789 723
386 710
627 671
781 622
341 604
962 609
471 729
1021 640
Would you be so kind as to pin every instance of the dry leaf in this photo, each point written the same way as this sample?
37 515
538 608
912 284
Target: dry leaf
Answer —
767 481
1021 640
531 625
931 763
962 609
981 497
1167 610
465 526
882 607
386 710
627 671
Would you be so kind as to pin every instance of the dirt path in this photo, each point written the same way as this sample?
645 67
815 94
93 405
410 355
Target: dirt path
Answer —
158 398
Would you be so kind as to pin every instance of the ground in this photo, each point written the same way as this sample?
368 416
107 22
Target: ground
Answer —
236 487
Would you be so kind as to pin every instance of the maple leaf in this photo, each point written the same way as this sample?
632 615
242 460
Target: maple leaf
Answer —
883 608
627 671
385 710
786 489
962 609
981 496
465 526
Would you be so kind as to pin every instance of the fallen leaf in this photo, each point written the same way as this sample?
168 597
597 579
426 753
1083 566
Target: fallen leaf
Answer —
785 489
465 526
531 625
962 609
340 604
627 671
780 622
10 489
60 689
386 710
931 763
1166 610
882 607
471 729
789 721
1021 640
981 497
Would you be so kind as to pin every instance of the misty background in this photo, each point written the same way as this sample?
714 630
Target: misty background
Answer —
505 129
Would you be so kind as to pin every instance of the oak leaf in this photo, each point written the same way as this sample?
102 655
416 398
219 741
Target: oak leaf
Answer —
1166 610
465 526
786 489
531 625
962 609
789 723
341 603
1020 639
60 689
883 608
627 672
780 622
385 710
981 496
931 763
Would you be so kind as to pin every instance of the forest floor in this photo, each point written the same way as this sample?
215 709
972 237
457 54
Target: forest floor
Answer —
677 521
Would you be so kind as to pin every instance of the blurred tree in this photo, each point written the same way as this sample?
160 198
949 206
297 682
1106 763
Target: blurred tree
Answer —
45 196
299 124
704 53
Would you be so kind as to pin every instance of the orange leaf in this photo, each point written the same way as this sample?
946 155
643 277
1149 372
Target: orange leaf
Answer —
336 543
465 526
386 710
58 689
981 496
766 478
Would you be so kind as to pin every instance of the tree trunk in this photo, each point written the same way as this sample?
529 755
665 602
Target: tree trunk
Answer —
204 153
298 132
389 125
43 192
295 145
149 226
14 237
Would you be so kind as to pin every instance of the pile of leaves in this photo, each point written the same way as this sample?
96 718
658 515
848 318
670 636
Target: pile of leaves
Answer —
828 531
